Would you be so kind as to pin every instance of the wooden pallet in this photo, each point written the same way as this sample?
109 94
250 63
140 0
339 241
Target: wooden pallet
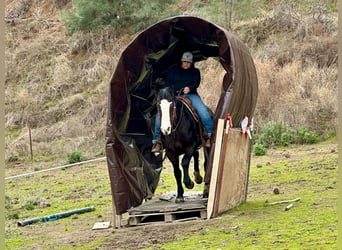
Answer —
165 210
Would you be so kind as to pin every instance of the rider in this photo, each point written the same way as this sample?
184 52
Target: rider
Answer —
185 79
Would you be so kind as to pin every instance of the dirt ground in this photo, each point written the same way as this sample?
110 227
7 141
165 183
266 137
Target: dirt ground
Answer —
149 235
77 233
143 236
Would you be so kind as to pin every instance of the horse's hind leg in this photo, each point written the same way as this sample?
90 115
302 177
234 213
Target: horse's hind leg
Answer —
206 190
206 185
197 174
185 164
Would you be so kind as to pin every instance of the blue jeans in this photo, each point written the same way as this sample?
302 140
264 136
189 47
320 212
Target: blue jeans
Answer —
202 111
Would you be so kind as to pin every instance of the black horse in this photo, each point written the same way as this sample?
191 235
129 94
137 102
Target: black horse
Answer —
181 134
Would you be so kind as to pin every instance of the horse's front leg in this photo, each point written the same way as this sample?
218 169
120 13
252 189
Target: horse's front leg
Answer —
185 164
178 176
197 174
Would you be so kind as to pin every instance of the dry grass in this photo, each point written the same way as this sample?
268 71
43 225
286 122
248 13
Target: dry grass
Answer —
212 75
301 98
57 84
295 53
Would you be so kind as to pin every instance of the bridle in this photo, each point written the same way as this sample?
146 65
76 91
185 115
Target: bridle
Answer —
175 121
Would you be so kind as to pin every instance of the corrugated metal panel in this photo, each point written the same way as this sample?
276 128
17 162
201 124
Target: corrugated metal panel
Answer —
133 170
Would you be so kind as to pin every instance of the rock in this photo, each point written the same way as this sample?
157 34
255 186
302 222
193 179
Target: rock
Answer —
14 201
276 190
259 165
43 204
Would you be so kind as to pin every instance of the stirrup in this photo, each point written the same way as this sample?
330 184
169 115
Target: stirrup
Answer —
157 147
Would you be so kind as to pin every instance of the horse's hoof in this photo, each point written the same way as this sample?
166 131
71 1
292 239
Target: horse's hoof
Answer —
190 185
198 177
179 199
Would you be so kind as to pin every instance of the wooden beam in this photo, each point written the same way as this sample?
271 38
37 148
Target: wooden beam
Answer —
215 168
221 168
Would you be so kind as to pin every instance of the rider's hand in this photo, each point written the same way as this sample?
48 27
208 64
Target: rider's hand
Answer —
186 90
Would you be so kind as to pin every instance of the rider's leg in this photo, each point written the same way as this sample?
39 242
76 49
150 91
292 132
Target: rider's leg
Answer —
203 113
157 145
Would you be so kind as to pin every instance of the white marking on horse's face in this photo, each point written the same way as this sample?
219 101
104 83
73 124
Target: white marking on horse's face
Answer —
165 123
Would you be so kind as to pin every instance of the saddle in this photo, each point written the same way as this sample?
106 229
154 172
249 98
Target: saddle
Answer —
187 103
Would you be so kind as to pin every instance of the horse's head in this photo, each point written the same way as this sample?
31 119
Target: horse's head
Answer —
165 109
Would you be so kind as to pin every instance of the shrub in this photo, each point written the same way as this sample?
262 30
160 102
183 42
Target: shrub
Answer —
280 134
88 15
259 149
288 136
75 156
274 133
306 136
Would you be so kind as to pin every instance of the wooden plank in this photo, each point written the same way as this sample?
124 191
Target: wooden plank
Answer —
219 174
161 206
169 217
161 210
234 172
184 215
215 168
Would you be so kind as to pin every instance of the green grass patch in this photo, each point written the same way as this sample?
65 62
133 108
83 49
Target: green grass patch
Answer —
309 174
311 223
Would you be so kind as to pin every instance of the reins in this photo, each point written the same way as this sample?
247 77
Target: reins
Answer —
174 113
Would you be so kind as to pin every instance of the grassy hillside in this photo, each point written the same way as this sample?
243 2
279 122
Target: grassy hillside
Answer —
56 84
56 89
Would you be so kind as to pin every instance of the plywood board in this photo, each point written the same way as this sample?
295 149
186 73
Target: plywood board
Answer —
233 174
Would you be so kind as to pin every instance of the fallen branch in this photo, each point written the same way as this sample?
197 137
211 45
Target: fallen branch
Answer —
288 207
285 201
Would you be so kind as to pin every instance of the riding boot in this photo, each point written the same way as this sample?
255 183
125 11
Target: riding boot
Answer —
157 146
